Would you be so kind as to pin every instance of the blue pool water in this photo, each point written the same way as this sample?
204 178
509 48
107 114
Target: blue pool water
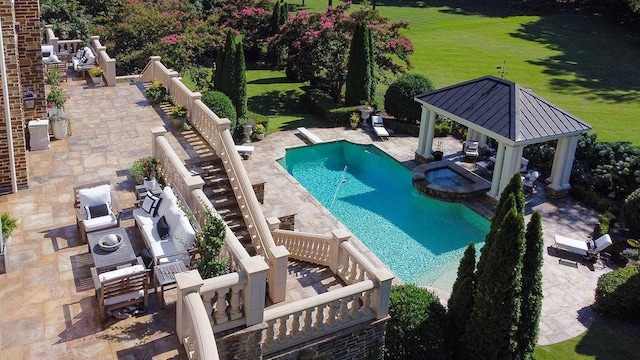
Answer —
446 176
421 239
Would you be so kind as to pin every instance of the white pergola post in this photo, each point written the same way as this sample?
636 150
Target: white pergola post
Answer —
508 160
427 131
562 164
497 171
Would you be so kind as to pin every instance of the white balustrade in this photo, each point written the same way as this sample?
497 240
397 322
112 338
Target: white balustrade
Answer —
222 298
303 246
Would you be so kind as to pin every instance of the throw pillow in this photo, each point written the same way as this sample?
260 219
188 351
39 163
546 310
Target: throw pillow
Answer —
147 205
97 211
83 60
155 205
163 228
46 53
80 54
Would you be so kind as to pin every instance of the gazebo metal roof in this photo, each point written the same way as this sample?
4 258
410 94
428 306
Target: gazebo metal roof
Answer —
504 109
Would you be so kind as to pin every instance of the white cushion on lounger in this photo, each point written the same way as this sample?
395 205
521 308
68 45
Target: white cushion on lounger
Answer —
101 222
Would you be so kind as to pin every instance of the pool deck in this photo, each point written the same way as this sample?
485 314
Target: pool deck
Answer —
568 291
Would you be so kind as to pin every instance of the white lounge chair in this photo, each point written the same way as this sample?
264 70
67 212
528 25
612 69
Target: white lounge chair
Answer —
378 127
588 249
528 182
471 150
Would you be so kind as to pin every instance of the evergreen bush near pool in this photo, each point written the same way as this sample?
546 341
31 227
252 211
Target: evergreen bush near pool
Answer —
631 212
398 100
222 105
417 326
618 292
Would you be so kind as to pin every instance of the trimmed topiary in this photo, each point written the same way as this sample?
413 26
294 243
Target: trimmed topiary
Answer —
220 104
618 292
398 100
416 328
631 212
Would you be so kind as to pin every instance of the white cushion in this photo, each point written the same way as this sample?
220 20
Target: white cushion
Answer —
142 217
168 200
101 222
124 297
95 196
120 272
183 236
79 54
91 60
172 216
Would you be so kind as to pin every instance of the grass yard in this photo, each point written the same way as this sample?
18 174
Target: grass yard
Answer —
606 339
580 63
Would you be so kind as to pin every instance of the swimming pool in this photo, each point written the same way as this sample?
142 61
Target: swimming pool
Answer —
421 239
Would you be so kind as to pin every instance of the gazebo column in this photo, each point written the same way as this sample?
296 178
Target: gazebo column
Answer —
562 165
427 131
482 140
507 164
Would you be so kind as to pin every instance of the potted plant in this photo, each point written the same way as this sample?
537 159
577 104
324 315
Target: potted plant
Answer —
56 98
259 130
365 110
147 171
177 115
156 93
53 77
8 224
354 120
59 126
96 74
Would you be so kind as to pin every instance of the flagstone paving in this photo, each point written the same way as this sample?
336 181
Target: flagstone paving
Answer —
47 303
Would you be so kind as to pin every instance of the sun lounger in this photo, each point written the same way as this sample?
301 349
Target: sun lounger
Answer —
378 126
471 150
584 248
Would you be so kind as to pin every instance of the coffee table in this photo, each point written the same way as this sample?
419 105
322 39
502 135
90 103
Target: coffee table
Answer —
110 260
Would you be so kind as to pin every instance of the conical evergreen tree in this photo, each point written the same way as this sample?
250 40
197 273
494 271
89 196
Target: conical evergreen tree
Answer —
226 78
239 87
359 74
531 288
513 187
274 22
219 74
460 303
284 13
493 325
372 68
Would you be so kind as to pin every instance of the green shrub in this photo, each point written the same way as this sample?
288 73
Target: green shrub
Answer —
417 326
398 100
342 115
146 168
319 103
442 130
618 292
210 239
8 224
222 105
605 222
631 212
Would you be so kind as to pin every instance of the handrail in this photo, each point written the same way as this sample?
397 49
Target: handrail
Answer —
313 248
200 342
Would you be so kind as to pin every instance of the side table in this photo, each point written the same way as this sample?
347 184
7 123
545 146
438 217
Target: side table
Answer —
164 275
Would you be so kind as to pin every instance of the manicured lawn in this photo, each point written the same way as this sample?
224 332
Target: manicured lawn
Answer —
580 63
606 339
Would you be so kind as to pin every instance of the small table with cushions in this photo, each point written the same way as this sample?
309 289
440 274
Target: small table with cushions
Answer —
110 260
165 275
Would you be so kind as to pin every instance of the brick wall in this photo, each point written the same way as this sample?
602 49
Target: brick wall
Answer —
364 341
12 66
31 69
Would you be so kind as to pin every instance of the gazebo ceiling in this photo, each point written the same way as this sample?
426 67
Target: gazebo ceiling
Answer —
503 110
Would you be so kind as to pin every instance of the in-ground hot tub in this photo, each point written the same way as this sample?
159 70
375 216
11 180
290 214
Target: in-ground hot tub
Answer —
447 181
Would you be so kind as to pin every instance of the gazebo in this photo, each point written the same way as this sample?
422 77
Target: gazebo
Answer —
511 115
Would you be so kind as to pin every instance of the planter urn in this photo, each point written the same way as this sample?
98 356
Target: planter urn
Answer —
59 129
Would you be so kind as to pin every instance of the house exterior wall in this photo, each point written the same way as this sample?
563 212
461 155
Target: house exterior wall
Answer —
12 65
31 69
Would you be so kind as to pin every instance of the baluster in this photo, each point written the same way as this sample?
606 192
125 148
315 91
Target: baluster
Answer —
355 305
319 317
307 321
295 325
221 306
347 267
269 333
366 302
234 302
362 274
208 304
343 314
282 331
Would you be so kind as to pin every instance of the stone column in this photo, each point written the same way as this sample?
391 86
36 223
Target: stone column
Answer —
497 172
186 282
254 293
562 166
423 130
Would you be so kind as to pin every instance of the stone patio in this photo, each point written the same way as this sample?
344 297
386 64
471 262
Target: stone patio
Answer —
48 308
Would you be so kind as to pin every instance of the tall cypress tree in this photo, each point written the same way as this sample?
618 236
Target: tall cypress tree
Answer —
372 68
226 78
531 288
513 187
359 75
274 22
493 325
239 87
220 74
460 303
284 13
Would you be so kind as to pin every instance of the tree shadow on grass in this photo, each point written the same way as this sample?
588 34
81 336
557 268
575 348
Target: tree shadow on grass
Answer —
272 80
609 338
276 102
603 69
